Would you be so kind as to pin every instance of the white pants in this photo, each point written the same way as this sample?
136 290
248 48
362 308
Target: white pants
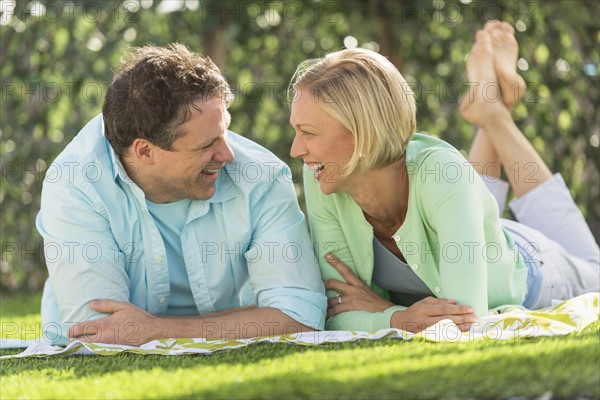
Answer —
567 255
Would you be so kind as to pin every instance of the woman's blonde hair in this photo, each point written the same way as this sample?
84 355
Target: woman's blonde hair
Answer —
367 94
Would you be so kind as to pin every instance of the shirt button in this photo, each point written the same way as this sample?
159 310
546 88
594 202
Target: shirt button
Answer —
163 300
397 238
415 267
436 289
157 259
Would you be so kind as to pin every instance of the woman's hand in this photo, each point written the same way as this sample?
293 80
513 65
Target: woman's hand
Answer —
353 295
430 311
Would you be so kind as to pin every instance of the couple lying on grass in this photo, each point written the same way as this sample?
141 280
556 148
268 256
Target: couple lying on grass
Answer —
186 229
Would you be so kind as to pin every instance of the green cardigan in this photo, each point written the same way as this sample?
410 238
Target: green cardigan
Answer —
452 236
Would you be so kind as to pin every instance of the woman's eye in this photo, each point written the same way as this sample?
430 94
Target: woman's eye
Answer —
306 133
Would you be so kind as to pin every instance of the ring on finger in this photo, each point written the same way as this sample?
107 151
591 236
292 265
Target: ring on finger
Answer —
339 298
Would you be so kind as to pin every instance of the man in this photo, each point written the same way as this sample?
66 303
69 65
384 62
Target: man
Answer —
161 221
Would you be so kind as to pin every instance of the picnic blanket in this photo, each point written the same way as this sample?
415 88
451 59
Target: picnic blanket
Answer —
503 323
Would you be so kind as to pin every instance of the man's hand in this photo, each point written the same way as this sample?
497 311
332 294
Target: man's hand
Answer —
353 295
128 324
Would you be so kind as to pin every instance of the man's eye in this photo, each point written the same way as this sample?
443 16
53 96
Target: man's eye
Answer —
207 147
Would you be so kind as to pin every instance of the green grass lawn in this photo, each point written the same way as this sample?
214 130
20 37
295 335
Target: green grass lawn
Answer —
565 367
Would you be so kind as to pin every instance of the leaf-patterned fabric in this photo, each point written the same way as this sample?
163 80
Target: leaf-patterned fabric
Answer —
504 323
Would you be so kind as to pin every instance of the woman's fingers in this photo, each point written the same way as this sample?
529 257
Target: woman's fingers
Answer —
338 300
337 309
333 301
430 311
340 287
337 286
343 269
437 300
335 304
461 315
464 327
444 307
464 324
450 309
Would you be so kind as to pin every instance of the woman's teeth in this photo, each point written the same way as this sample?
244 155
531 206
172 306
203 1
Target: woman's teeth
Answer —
317 168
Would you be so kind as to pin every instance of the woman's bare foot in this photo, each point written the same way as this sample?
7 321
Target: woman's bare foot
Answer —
506 54
483 99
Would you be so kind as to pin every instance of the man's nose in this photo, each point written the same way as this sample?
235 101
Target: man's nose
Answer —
224 152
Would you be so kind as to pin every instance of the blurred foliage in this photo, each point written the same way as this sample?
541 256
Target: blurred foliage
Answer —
57 58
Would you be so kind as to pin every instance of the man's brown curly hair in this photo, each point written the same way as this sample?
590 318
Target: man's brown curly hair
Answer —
154 91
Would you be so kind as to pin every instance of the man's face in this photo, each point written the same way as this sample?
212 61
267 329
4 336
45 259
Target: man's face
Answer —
191 168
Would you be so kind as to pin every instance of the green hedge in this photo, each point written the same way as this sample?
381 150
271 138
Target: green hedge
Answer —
57 58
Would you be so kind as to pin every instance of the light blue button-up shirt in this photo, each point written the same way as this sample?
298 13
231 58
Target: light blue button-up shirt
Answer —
246 245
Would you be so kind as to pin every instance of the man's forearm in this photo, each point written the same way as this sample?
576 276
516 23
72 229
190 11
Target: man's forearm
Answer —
241 323
210 315
129 324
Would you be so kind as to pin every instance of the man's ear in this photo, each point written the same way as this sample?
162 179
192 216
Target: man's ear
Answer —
143 151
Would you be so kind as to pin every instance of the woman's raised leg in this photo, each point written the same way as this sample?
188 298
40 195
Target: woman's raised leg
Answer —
544 201
506 146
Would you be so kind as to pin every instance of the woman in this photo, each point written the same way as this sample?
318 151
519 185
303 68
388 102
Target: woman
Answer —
411 232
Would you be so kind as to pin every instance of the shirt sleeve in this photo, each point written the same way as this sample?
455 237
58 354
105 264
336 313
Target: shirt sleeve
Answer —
281 262
82 256
328 236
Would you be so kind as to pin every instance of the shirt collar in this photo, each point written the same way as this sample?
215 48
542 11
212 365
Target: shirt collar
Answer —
116 166
225 188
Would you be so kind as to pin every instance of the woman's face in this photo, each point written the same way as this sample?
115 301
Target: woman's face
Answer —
324 144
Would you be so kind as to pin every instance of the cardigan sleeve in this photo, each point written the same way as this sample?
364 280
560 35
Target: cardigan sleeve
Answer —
457 206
